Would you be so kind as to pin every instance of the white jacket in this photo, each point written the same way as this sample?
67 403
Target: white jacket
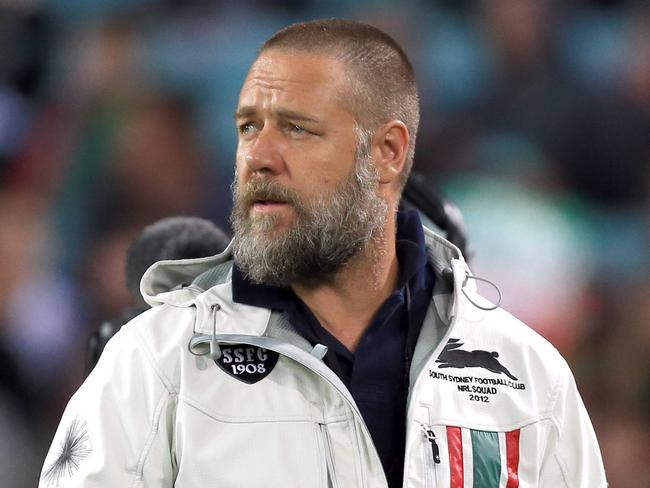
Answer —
491 403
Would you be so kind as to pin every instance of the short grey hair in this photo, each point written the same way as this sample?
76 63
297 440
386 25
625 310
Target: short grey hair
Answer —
383 82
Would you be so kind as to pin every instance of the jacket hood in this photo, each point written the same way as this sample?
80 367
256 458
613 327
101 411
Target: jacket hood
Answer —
171 281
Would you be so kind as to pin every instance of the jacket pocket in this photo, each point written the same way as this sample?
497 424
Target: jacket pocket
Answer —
461 456
248 454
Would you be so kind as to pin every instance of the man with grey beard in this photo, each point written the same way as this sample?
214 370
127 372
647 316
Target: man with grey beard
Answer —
336 342
327 232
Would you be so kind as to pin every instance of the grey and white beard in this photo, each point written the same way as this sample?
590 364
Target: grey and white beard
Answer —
327 232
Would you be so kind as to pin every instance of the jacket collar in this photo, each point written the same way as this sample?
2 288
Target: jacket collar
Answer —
171 282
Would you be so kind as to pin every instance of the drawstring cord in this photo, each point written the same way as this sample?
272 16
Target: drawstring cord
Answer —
476 278
215 350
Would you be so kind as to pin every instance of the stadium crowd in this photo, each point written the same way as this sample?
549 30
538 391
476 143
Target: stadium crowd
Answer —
536 122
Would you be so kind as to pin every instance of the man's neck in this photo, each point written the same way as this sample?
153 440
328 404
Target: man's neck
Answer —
346 305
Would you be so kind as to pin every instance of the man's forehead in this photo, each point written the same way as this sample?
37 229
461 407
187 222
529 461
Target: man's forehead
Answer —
296 67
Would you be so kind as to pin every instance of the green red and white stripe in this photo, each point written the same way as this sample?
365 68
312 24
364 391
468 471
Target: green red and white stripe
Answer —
482 459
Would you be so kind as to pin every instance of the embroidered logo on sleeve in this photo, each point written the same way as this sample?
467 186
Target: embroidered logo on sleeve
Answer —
72 450
478 387
247 363
452 357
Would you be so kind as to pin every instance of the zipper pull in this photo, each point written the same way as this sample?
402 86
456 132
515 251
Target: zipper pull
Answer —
435 451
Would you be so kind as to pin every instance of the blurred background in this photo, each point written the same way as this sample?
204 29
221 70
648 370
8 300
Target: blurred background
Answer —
535 121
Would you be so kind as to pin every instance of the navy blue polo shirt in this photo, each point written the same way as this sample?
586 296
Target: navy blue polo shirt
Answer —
377 372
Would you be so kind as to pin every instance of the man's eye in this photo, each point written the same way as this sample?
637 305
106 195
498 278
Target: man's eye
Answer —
246 127
296 129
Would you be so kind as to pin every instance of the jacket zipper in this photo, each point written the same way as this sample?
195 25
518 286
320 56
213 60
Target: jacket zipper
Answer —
421 375
329 456
432 452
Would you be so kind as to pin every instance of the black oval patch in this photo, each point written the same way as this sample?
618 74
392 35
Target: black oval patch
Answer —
247 363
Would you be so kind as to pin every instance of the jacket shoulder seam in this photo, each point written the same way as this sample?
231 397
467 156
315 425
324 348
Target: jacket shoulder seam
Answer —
554 397
166 382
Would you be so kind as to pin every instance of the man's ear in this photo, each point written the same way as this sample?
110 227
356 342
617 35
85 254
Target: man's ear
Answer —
390 145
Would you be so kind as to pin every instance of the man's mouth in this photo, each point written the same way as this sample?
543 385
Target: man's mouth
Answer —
268 205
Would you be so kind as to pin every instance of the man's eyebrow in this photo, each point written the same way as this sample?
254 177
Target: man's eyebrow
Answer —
290 114
244 112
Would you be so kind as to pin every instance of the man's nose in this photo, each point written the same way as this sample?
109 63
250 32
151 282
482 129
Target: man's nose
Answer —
265 153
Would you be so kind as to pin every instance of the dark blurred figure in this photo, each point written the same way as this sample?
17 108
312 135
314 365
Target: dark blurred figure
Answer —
156 167
25 45
149 165
169 238
24 378
597 139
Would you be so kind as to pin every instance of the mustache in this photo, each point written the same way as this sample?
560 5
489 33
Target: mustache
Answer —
267 190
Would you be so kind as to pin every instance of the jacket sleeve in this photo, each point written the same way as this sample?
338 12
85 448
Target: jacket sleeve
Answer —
117 428
574 460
